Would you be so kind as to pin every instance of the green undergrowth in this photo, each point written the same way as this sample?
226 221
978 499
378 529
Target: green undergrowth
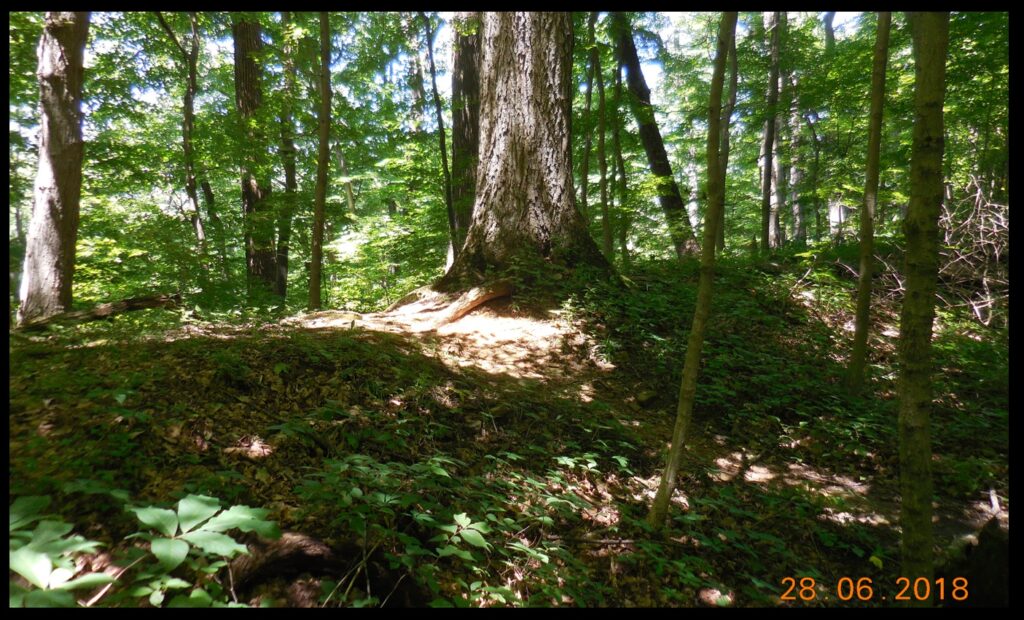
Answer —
478 489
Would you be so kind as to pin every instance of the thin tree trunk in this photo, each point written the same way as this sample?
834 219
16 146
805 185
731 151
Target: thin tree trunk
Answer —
449 207
796 172
465 119
189 58
322 161
216 225
620 164
858 358
49 266
769 137
930 35
259 219
681 231
730 105
587 130
291 185
716 202
602 162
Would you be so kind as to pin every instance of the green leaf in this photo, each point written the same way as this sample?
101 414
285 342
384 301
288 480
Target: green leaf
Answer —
48 531
244 518
49 598
169 552
25 510
197 598
877 561
474 538
90 580
31 565
217 544
462 519
156 598
195 509
160 519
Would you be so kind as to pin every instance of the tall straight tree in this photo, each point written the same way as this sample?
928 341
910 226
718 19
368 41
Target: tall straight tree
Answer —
465 118
524 193
602 162
587 131
620 165
730 105
782 151
49 266
449 208
323 157
260 259
287 150
855 372
768 145
930 36
190 60
679 227
716 202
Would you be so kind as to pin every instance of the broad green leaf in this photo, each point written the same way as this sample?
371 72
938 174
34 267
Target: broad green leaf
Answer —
90 580
48 531
197 598
217 544
462 519
59 577
244 518
475 538
195 509
49 598
31 565
25 510
156 598
169 552
160 519
176 584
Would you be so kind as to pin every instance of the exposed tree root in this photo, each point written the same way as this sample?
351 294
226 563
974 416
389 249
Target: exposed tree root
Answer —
470 300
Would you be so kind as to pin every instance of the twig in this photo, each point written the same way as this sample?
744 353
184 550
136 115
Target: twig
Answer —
107 587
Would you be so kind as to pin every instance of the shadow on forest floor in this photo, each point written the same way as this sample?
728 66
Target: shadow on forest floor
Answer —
549 432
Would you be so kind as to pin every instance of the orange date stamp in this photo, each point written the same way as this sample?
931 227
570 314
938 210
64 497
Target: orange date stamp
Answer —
863 589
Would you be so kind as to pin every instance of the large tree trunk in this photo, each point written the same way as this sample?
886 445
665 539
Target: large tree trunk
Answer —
449 208
49 266
465 119
259 223
768 146
681 231
524 203
291 185
796 173
716 202
855 374
782 149
322 161
930 33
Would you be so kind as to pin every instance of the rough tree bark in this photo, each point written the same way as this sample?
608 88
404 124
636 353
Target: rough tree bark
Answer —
858 357
930 35
769 136
716 201
322 161
49 265
781 146
796 166
524 202
465 119
681 231
259 219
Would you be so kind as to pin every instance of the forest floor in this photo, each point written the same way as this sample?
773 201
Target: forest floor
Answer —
509 457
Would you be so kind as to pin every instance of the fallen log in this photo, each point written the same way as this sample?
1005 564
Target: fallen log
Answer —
106 310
